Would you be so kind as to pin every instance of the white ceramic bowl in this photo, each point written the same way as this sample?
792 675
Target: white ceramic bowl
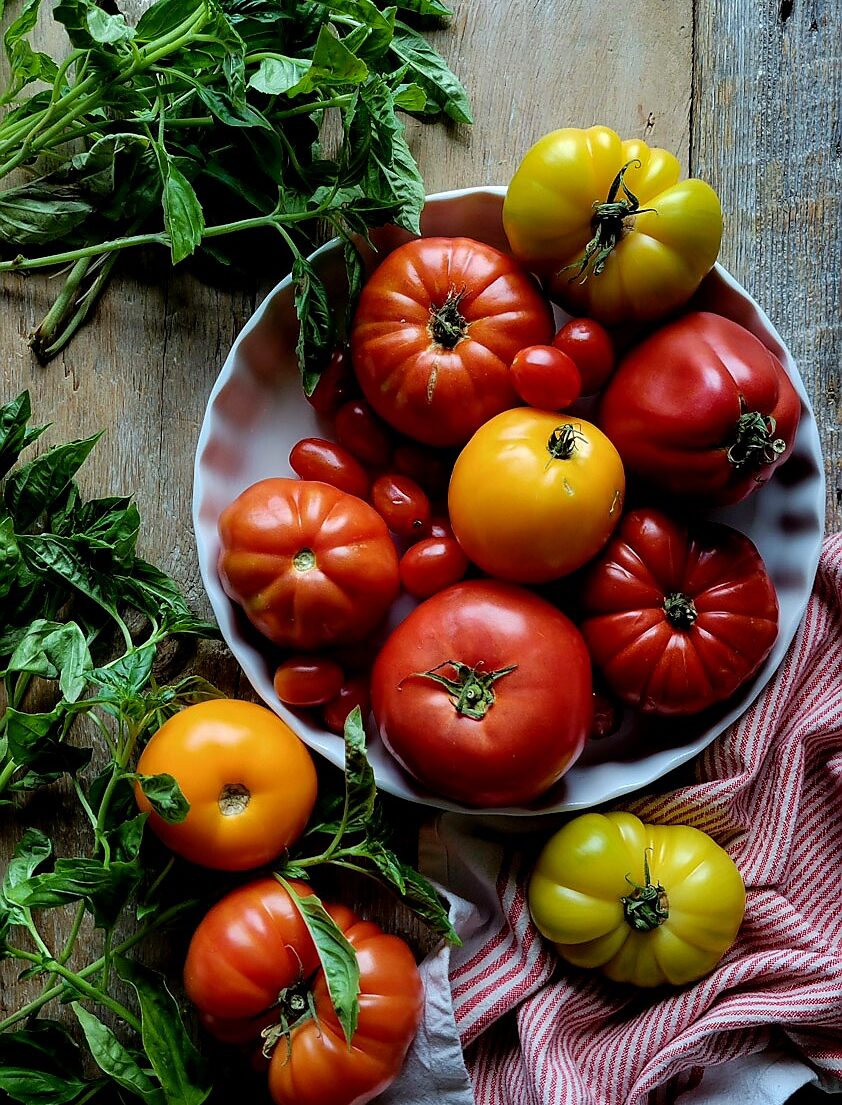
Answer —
257 411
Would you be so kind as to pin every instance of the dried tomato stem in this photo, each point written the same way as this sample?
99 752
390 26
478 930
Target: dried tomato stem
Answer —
447 325
680 610
755 444
647 907
563 441
608 225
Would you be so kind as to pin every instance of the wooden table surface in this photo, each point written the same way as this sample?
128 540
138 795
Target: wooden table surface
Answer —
745 92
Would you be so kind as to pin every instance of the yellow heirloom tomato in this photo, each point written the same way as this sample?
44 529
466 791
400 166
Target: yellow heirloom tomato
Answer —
646 904
609 225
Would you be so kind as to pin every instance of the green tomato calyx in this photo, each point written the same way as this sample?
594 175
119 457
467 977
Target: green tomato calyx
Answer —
680 610
755 443
295 1005
647 907
447 325
608 225
304 560
471 690
563 441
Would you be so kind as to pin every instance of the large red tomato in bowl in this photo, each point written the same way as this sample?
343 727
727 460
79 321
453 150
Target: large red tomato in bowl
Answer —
483 693
701 408
436 329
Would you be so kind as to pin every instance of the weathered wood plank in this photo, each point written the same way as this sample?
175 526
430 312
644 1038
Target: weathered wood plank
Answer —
767 134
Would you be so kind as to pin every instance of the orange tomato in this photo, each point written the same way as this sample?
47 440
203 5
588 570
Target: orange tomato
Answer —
249 779
535 495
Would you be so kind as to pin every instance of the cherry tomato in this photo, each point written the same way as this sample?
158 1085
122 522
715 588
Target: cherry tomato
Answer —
440 526
355 691
589 346
314 458
431 565
250 782
336 384
430 468
308 680
362 433
402 504
545 377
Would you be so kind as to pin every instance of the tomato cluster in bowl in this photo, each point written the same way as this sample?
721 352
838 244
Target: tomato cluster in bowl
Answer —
453 353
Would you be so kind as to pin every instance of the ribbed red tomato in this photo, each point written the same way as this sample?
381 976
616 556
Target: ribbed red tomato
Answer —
309 564
484 693
436 329
252 959
677 617
701 408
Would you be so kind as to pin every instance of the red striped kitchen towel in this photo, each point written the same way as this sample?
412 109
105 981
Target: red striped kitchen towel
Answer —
537 1032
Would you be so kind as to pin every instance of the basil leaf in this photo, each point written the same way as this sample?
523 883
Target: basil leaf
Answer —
276 75
178 1065
165 797
127 675
317 333
184 220
115 1059
14 436
355 271
360 787
54 650
103 889
426 7
35 741
410 97
32 850
10 558
108 28
332 64
337 957
41 1065
38 213
33 488
429 70
155 594
164 16
62 559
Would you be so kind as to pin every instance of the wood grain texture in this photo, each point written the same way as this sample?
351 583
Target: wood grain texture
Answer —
767 134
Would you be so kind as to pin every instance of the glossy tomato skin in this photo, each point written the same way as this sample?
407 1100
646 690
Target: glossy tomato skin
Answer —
431 565
674 405
437 326
253 944
335 386
591 348
526 510
546 377
654 653
310 564
249 779
402 504
308 680
661 254
354 692
362 433
594 862
537 721
315 458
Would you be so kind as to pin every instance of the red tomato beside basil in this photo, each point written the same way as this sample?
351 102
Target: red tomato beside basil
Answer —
309 564
436 329
252 952
677 617
701 409
484 693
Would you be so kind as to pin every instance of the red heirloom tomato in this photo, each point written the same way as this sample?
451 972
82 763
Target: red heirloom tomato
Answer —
252 955
484 693
534 495
678 617
701 408
335 385
250 782
437 326
310 565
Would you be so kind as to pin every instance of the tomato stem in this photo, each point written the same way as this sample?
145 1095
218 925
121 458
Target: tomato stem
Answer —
608 225
563 441
647 907
680 610
471 691
447 325
304 560
755 443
